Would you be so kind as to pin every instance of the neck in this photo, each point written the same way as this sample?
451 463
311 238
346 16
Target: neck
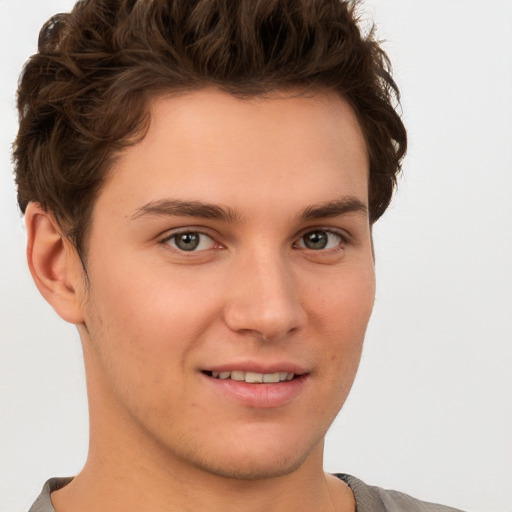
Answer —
128 470
121 480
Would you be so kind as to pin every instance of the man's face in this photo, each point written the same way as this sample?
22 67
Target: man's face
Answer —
230 245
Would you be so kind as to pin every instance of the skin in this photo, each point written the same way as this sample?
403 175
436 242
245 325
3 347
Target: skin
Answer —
155 317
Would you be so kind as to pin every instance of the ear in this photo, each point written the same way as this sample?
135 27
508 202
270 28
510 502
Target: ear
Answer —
54 264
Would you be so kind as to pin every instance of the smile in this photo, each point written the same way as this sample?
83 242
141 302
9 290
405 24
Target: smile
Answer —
252 377
257 390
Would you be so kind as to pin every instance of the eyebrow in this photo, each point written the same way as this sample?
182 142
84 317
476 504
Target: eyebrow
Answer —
179 208
335 208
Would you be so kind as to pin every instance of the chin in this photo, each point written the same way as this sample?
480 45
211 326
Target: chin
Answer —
249 459
256 468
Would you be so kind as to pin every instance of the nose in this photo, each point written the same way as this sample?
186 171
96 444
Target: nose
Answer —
263 298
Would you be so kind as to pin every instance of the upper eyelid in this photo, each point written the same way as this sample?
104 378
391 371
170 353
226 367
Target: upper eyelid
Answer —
168 235
343 237
342 233
165 242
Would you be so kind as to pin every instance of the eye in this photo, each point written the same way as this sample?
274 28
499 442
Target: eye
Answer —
320 239
190 241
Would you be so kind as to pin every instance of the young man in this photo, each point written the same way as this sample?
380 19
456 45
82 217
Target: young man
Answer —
199 181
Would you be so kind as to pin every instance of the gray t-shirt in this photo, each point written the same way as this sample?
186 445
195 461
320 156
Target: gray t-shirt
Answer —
368 498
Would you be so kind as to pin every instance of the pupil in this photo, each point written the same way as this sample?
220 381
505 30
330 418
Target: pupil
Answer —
316 240
187 241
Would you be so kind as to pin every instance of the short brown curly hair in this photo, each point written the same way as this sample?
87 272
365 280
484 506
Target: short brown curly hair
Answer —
85 95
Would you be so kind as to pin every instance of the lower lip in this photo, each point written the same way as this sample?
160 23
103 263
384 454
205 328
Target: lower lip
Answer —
260 395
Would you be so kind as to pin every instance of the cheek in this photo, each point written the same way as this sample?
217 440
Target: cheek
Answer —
146 323
149 297
345 301
342 315
142 340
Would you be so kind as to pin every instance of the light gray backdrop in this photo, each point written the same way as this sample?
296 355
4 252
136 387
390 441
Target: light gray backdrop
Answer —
431 410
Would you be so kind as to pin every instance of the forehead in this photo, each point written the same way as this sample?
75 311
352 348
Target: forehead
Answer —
210 145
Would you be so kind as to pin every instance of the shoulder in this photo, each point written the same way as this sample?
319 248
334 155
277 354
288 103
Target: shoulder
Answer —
375 499
43 502
368 498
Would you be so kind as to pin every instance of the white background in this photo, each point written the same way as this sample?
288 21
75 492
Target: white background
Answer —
431 410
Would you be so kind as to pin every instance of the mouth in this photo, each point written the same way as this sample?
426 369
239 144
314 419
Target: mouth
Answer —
252 377
273 387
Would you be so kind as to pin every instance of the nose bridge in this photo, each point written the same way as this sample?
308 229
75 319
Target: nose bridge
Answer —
263 296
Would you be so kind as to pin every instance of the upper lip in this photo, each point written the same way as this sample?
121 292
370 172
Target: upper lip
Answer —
257 367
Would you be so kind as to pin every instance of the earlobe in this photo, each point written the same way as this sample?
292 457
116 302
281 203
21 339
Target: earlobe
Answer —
54 264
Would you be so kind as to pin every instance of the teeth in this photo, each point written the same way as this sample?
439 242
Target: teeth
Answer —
254 377
236 375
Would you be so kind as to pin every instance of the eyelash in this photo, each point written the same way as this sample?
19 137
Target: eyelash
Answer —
342 240
174 236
